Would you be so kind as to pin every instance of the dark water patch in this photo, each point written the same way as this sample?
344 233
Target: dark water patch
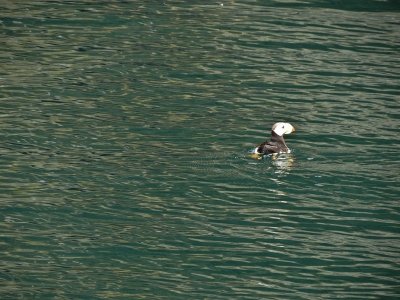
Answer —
352 5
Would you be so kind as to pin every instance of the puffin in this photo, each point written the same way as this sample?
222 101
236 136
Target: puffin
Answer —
276 144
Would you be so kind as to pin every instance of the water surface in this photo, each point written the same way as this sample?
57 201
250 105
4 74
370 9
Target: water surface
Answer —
125 128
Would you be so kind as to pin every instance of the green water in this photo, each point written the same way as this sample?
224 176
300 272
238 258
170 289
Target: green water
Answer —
125 127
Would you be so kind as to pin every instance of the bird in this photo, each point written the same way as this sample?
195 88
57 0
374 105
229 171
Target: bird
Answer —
276 144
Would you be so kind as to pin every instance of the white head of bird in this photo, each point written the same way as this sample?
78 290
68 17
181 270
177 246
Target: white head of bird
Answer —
282 128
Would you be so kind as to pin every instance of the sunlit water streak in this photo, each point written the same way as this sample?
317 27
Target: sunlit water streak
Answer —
124 158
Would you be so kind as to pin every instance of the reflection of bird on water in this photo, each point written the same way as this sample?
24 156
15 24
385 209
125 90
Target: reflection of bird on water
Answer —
276 144
283 162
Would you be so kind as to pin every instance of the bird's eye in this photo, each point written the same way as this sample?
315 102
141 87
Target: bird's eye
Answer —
283 126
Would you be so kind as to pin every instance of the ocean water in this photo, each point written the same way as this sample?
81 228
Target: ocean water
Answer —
125 131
